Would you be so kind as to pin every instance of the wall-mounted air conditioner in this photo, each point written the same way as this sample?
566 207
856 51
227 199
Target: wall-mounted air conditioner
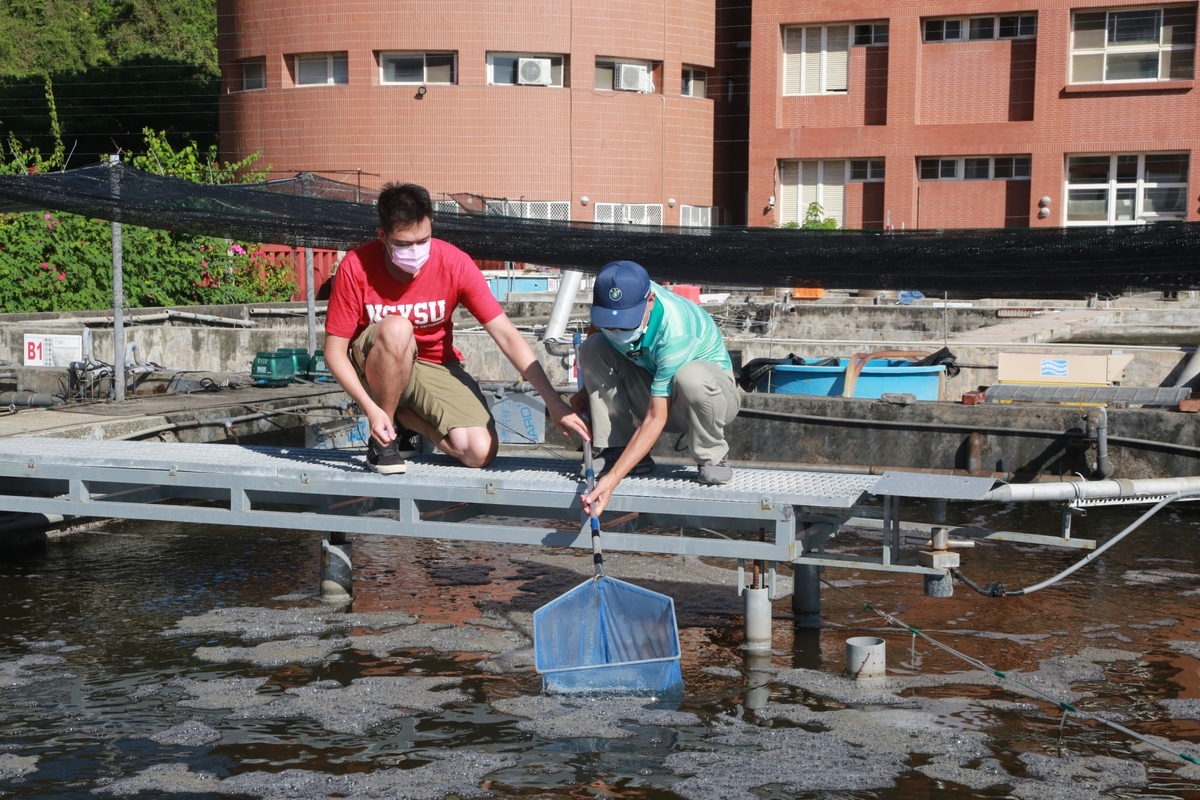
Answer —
632 78
534 72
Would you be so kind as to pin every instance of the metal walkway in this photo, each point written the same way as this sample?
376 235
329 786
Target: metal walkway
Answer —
762 515
1161 397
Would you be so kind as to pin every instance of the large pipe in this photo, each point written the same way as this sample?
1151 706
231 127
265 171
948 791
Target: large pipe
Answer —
30 400
1190 369
1092 490
564 303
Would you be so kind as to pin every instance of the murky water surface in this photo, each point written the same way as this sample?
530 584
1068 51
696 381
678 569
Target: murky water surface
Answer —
181 661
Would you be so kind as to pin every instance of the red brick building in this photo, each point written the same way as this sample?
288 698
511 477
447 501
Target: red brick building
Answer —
973 114
589 111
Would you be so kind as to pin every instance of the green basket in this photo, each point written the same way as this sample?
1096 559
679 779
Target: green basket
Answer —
272 369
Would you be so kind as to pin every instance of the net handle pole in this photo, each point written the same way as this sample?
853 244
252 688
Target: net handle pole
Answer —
588 472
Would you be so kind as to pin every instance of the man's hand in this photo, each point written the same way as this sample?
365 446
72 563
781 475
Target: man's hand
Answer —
579 402
567 420
381 425
596 501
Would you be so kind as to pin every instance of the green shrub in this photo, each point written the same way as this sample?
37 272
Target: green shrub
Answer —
53 261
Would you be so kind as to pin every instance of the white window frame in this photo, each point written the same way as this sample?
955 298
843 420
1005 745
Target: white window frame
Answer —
829 188
876 34
554 57
1141 48
799 61
964 25
384 55
1021 168
261 83
688 88
331 72
1116 185
875 169
650 214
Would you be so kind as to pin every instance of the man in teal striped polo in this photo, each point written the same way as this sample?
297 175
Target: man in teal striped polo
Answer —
660 364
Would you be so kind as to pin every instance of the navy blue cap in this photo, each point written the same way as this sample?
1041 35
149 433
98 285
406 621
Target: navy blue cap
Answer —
619 295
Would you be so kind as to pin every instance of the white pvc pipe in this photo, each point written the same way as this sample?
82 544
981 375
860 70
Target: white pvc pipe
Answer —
866 657
758 619
1093 490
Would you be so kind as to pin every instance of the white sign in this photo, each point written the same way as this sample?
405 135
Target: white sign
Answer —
45 350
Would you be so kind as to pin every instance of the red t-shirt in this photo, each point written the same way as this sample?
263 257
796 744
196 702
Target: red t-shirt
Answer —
364 292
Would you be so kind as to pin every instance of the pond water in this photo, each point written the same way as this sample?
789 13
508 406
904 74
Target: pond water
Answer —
161 660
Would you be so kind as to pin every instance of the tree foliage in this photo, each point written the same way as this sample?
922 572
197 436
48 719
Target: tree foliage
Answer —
60 262
40 37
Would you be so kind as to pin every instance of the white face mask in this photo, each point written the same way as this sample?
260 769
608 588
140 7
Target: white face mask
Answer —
410 259
622 338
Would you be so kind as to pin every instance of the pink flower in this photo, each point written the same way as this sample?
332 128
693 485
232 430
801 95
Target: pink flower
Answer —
203 263
45 265
237 248
47 216
62 276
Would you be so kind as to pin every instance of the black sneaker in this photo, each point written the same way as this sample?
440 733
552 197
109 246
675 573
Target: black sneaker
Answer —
408 443
386 459
603 462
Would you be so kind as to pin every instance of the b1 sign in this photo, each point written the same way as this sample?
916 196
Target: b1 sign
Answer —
46 350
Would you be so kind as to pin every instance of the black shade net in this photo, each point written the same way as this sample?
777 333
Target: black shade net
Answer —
1001 262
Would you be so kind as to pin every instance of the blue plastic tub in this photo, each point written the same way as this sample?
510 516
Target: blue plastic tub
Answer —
608 636
877 378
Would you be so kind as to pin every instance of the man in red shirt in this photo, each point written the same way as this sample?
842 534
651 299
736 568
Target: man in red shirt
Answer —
389 340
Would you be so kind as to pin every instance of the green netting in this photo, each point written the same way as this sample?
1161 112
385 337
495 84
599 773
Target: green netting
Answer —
994 261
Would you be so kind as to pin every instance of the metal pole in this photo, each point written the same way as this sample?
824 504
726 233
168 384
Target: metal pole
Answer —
114 166
310 295
337 579
310 292
806 595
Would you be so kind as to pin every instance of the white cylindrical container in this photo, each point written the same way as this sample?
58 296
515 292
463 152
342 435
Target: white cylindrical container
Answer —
866 657
758 619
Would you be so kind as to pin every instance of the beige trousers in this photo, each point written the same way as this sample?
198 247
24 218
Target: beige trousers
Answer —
704 399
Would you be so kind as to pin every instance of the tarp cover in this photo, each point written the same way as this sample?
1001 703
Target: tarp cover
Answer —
983 262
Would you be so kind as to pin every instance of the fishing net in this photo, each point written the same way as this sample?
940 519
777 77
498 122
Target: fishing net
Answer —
994 262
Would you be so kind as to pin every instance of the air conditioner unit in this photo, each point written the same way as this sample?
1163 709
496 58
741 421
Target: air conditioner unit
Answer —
632 78
534 72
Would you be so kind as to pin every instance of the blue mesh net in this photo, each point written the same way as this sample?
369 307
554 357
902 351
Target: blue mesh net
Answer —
606 635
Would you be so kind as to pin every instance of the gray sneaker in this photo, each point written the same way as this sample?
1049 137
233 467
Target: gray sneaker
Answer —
607 458
715 474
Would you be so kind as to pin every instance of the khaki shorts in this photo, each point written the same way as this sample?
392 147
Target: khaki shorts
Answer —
443 394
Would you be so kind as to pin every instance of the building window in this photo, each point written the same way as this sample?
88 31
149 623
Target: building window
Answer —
816 59
1140 44
802 183
513 69
254 74
975 168
419 68
624 76
322 69
695 82
870 33
1126 188
975 29
866 171
630 213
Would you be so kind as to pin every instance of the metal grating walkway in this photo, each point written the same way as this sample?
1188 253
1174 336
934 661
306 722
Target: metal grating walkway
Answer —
259 486
1162 397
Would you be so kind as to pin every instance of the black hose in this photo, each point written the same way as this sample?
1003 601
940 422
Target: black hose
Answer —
991 590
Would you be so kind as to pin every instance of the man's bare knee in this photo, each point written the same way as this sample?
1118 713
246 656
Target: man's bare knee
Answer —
395 334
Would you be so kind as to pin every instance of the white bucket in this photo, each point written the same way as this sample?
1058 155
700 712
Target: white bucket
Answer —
866 657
